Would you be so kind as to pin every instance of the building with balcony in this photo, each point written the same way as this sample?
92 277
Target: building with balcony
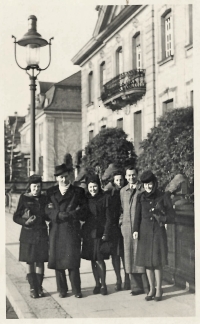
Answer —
57 122
136 66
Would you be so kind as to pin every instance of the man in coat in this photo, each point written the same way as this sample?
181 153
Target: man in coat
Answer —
128 196
66 205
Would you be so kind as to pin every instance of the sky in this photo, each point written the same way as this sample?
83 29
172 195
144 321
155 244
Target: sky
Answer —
71 23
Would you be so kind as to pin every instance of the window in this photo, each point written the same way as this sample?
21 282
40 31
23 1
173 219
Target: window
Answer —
191 98
167 34
120 123
137 56
103 127
137 130
41 165
91 135
119 61
190 24
168 105
40 132
90 87
102 75
28 167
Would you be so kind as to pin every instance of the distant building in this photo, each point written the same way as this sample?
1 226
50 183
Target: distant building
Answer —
137 65
57 122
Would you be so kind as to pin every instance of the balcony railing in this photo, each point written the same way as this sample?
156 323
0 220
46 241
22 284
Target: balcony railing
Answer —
128 86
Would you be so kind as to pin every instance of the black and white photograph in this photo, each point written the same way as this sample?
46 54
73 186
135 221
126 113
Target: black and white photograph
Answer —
99 144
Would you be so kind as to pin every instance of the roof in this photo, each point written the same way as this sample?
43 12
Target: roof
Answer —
45 86
72 80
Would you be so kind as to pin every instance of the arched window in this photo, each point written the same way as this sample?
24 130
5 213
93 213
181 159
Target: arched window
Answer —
137 52
119 61
102 75
90 87
167 34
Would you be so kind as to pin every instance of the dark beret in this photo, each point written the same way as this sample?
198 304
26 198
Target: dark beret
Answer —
147 176
94 178
35 178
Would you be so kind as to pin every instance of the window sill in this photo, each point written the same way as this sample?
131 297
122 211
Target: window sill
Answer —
90 104
167 59
188 47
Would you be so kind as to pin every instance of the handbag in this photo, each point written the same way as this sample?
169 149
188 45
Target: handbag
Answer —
106 247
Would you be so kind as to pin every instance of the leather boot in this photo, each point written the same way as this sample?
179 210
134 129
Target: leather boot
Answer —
32 279
39 281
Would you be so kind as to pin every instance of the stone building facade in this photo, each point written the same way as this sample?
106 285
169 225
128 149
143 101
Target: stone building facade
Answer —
136 66
58 124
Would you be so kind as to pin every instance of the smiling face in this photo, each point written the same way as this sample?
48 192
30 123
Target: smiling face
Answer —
93 188
63 179
119 181
131 176
148 186
35 188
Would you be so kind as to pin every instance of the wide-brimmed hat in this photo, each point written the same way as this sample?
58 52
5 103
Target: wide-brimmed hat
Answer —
60 169
147 176
34 178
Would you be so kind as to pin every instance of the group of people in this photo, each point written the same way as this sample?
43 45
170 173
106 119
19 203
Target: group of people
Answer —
126 222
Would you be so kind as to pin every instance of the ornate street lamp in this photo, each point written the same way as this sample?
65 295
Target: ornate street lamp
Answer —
32 40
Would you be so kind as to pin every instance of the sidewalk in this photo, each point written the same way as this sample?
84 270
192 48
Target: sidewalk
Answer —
175 303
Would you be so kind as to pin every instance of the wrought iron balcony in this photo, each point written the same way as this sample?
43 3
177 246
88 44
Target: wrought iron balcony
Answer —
125 88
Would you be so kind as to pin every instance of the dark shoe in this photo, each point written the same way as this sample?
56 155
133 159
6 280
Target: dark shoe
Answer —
118 286
40 292
79 295
62 294
97 290
148 298
159 298
40 281
104 291
127 285
135 293
33 285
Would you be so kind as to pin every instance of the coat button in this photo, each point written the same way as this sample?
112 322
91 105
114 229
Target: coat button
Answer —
150 202
151 218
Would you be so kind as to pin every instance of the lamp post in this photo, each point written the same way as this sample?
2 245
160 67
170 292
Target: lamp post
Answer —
32 40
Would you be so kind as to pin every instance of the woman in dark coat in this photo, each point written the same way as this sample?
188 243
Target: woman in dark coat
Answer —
95 232
30 214
153 210
117 180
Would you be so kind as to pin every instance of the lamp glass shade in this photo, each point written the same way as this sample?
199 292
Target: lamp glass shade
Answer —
32 54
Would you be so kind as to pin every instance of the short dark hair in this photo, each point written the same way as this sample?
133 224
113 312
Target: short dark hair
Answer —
131 167
115 173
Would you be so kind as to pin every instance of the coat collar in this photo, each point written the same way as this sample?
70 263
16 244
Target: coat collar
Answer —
69 193
138 186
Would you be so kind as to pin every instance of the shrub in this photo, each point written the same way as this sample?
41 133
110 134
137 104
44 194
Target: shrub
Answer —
168 149
110 145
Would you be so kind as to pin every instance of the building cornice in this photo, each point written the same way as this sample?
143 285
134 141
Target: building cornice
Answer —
95 42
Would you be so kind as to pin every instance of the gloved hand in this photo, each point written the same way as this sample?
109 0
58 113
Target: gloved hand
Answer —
26 214
159 218
31 220
104 238
63 215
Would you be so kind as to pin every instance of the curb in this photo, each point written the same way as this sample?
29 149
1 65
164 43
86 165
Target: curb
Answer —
18 303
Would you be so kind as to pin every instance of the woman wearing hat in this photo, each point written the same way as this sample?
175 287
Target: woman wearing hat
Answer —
33 250
153 210
95 232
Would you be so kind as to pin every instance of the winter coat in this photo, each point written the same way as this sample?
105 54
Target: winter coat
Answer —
64 236
97 224
152 242
34 237
128 205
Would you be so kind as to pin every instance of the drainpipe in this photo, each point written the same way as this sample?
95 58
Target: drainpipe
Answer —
154 67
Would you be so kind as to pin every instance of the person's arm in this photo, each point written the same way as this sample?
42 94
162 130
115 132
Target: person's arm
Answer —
78 209
122 210
170 214
51 210
20 212
138 215
108 218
